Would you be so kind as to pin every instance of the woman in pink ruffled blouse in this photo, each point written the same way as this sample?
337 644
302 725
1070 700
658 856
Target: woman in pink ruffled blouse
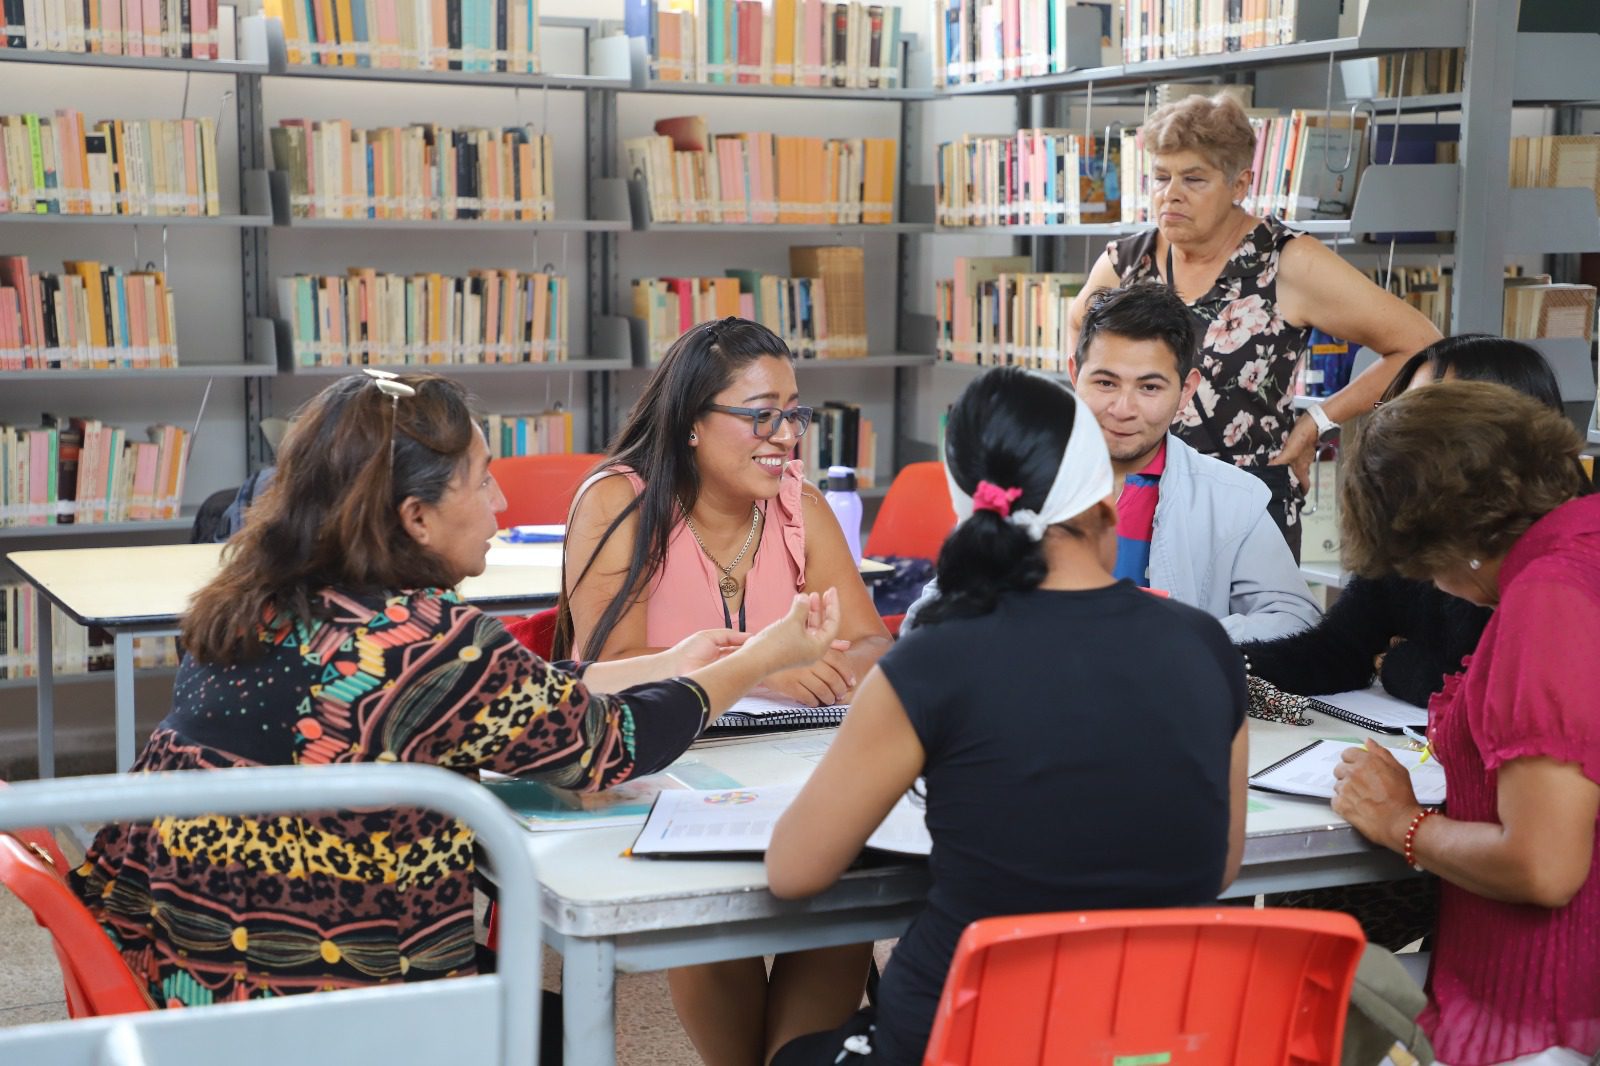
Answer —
1478 488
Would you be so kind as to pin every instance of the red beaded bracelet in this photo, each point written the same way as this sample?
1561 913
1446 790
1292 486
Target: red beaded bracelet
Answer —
1411 836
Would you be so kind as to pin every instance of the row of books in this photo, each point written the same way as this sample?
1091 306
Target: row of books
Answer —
770 42
1426 288
1536 307
690 176
1031 177
421 171
499 36
1000 40
1427 72
994 312
74 649
88 317
1561 162
80 471
840 435
545 433
175 29
364 317
1174 29
796 309
60 165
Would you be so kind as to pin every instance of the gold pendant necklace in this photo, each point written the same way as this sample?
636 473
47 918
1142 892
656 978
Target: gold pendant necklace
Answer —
729 585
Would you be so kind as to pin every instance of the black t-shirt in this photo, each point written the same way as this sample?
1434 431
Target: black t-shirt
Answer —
1078 750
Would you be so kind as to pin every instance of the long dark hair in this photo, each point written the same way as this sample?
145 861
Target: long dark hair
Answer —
1009 427
654 443
1484 357
330 518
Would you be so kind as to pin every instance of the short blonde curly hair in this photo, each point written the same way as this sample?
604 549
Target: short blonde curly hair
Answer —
1215 126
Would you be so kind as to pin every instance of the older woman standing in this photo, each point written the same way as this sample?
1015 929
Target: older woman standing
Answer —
1258 289
1477 488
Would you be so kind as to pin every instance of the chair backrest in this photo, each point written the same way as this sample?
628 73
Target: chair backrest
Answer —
539 488
537 632
916 515
1200 987
96 979
490 1021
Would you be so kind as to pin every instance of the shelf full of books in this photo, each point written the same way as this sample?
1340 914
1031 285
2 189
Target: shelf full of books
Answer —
368 318
805 44
86 317
840 435
84 472
995 312
74 649
147 168
542 433
1034 177
982 42
470 36
686 175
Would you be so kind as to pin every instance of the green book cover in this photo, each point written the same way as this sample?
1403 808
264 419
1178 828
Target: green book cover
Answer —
716 47
36 153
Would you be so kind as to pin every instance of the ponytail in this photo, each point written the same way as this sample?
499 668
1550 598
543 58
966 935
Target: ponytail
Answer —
984 558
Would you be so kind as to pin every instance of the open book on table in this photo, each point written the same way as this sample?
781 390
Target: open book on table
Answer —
739 822
1309 772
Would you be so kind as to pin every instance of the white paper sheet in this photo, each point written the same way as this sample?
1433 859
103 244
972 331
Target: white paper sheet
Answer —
1309 772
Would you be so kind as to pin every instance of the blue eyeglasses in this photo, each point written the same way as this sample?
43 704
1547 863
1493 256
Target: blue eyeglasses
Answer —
764 421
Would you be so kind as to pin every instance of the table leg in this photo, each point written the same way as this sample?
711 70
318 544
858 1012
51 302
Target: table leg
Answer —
46 692
123 649
589 1003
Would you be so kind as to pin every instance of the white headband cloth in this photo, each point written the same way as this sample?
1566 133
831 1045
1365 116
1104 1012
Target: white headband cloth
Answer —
1083 480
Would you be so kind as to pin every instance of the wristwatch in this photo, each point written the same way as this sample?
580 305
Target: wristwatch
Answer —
1325 425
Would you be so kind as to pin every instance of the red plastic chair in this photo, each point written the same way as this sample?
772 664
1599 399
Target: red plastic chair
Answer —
916 515
96 978
539 488
43 842
1201 987
537 632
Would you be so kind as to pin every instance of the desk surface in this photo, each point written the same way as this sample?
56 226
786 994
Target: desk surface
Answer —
151 586
590 890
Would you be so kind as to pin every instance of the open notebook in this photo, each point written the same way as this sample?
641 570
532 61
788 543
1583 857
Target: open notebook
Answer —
739 822
1309 772
1373 710
756 714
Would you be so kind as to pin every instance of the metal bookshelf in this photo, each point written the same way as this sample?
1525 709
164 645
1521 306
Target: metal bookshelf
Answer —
191 372
183 523
610 212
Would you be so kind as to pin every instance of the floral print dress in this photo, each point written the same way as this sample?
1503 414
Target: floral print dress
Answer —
1243 409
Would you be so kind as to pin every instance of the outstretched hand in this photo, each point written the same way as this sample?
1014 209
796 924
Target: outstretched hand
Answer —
803 635
702 649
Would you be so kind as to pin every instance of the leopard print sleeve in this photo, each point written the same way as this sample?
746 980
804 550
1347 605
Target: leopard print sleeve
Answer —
468 695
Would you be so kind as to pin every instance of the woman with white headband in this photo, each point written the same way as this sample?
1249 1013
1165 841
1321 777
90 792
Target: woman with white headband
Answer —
1082 742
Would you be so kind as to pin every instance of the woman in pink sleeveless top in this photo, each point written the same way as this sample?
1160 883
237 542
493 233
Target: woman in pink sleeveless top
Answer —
1478 488
698 519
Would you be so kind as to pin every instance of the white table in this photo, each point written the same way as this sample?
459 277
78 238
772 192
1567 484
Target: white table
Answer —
607 914
144 591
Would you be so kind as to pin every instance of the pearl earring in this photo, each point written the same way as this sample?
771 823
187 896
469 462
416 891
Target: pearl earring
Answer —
1474 564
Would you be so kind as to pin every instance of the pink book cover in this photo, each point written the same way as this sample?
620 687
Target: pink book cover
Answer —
747 306
765 150
138 327
38 476
10 329
213 45
751 16
152 28
814 27
685 290
731 181
200 26
388 35
1041 214
68 180
111 27
145 460
132 27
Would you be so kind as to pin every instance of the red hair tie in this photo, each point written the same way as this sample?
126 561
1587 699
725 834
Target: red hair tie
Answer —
991 497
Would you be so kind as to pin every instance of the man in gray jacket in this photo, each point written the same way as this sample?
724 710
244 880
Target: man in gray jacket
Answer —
1188 525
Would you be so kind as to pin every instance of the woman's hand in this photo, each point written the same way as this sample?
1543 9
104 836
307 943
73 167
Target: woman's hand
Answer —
700 649
1374 794
801 637
829 680
1299 449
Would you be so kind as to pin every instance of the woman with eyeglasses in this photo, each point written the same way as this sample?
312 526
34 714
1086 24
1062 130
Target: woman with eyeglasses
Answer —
333 633
699 517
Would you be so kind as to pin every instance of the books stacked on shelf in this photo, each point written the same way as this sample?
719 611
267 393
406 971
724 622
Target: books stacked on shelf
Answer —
795 308
364 317
842 271
74 649
60 165
841 436
770 42
156 28
1536 307
995 313
1175 29
486 36
421 171
990 41
1428 289
1562 162
1034 177
79 471
546 433
88 317
1307 165
1428 72
690 176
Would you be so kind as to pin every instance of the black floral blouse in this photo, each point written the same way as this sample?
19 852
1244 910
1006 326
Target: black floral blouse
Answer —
1243 409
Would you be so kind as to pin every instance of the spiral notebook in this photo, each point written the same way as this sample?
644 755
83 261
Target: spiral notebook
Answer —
1373 710
1309 772
755 714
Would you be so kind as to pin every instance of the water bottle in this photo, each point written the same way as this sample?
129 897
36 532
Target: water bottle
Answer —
846 504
